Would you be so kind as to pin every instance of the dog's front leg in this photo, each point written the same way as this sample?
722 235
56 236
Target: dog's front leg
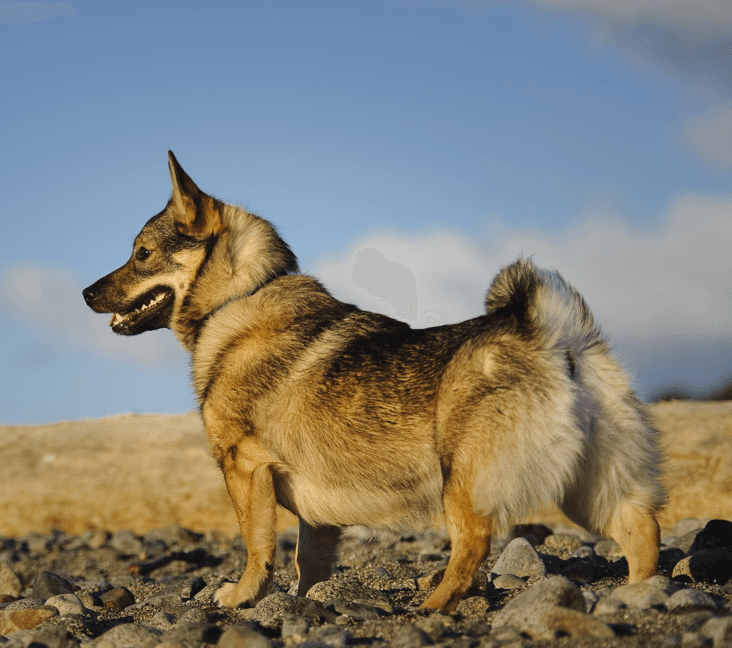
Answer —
252 492
315 554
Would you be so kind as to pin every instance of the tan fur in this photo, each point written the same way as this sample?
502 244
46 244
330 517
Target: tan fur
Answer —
347 417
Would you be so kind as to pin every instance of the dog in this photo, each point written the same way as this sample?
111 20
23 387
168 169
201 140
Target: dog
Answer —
346 417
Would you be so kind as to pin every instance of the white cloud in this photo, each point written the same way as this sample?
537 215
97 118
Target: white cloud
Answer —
700 19
710 136
668 285
26 12
49 300
688 39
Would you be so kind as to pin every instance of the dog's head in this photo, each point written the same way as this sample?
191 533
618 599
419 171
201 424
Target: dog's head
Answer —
145 293
192 258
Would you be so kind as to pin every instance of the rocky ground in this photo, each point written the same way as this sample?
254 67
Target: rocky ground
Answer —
541 587
124 570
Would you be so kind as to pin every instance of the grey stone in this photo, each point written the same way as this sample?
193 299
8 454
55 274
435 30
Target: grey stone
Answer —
567 541
608 549
694 640
295 627
172 535
591 599
330 635
551 608
474 606
580 570
683 542
641 595
272 609
48 584
67 604
520 559
26 603
585 551
355 610
163 621
507 636
608 604
508 581
665 584
191 636
539 531
689 600
9 581
193 616
242 636
719 630
687 525
410 636
127 543
127 635
48 637
349 589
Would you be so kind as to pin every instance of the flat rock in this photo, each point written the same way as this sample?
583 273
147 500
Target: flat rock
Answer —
44 637
551 608
272 609
13 620
127 635
508 581
237 636
689 600
349 589
67 604
719 630
520 559
641 595
410 636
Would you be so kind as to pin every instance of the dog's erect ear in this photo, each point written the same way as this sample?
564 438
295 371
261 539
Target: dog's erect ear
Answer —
195 212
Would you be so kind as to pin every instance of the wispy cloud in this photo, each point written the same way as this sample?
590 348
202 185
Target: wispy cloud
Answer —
690 40
27 12
710 136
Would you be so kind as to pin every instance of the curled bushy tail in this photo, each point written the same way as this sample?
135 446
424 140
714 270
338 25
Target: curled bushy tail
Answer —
544 301
605 454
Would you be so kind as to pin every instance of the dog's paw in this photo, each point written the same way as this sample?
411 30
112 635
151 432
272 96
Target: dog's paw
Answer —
225 596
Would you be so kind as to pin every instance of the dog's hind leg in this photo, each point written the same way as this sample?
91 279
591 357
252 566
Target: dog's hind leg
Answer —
253 494
470 535
315 554
636 531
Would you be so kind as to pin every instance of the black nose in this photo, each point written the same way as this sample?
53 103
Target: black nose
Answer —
90 294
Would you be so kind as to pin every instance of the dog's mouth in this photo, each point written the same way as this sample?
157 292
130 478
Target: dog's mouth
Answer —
151 311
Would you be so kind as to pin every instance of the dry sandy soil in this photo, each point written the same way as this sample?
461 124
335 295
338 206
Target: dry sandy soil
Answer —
139 472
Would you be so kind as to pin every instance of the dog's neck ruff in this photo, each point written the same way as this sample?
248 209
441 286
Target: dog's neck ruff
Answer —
229 301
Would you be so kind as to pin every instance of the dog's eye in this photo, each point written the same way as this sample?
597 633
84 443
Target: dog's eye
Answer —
142 254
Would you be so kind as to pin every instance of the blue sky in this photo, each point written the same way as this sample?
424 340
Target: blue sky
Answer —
398 145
